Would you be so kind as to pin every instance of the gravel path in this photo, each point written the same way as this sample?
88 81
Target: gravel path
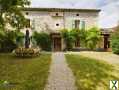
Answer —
106 56
61 77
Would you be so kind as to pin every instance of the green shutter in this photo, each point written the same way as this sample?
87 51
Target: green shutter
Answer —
73 24
82 25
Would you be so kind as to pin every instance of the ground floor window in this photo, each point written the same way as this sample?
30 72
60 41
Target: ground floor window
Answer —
28 23
77 43
106 41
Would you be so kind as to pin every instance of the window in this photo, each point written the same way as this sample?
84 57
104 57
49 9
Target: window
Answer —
28 23
77 42
56 14
77 23
82 25
57 24
77 14
27 13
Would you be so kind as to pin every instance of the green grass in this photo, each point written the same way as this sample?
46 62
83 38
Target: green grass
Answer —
92 74
24 74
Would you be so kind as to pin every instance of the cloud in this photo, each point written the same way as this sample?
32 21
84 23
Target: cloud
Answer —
109 16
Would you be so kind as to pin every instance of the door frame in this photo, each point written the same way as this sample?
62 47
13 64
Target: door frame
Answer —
56 36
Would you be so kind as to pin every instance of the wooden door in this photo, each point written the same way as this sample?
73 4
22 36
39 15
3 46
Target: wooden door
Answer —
57 44
106 42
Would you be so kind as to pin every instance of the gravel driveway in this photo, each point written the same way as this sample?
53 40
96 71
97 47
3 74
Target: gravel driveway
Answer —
61 77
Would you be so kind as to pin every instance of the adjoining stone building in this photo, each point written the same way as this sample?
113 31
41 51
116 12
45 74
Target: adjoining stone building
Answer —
52 20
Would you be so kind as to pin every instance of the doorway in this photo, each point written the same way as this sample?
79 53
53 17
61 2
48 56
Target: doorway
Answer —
56 41
57 44
106 41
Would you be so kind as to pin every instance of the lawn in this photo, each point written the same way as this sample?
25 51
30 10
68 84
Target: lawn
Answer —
24 74
92 74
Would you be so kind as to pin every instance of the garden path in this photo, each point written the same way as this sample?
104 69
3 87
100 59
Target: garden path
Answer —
61 77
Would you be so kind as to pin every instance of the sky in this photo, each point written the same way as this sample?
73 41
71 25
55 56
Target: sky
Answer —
108 17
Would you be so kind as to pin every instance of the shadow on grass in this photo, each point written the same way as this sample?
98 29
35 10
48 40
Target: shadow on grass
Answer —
24 74
91 74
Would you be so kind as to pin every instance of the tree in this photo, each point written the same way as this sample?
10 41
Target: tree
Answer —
115 41
7 40
93 37
43 40
69 38
11 13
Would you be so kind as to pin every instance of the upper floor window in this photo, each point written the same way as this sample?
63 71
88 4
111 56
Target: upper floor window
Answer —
57 14
77 14
77 23
57 24
27 13
82 25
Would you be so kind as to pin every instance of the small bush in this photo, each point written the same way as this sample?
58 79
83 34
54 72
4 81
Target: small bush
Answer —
69 38
43 40
88 38
92 38
115 41
26 52
7 41
20 38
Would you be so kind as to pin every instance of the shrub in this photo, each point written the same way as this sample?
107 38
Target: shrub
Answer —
26 52
80 36
83 36
10 40
88 38
115 41
93 37
69 38
7 41
43 40
19 38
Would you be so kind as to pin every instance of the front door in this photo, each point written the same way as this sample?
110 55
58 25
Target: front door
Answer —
57 44
106 42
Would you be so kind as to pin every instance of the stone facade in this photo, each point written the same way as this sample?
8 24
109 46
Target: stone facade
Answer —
53 19
49 20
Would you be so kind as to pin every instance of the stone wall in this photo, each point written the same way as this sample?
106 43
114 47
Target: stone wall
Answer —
49 21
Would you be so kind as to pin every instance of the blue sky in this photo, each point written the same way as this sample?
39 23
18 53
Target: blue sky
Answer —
109 15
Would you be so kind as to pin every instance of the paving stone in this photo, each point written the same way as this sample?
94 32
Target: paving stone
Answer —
61 77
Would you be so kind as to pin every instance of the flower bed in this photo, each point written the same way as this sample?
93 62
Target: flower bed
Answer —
27 52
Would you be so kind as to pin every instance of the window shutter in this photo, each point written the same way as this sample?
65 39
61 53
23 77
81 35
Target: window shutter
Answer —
33 24
82 25
73 24
77 24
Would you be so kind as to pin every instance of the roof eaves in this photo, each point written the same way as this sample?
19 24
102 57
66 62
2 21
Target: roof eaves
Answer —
60 9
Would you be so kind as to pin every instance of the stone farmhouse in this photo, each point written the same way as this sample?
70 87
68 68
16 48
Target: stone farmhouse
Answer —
51 20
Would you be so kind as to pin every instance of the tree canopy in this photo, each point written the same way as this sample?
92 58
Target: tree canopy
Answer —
11 13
